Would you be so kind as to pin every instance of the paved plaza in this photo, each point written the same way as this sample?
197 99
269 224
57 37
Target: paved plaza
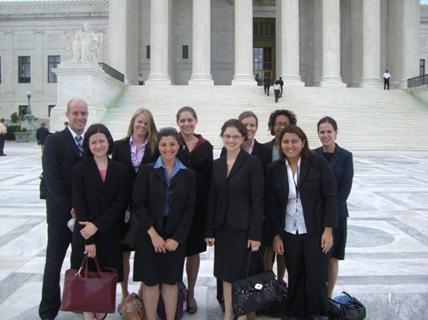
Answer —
386 265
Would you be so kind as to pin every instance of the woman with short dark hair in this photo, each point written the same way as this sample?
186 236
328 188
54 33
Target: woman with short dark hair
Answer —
100 193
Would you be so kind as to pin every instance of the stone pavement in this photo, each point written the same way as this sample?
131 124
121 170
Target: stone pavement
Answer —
386 265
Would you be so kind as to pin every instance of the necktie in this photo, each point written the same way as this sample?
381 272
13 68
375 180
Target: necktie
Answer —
79 144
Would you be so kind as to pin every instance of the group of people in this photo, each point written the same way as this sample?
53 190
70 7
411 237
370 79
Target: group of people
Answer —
278 87
279 197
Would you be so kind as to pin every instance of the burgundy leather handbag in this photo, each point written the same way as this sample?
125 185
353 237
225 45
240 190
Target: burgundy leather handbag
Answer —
87 291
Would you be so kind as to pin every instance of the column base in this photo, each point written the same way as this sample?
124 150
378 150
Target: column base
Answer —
332 82
158 79
403 84
246 80
371 83
201 79
293 82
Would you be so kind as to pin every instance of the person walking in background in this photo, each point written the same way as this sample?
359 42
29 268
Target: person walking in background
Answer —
340 160
62 151
3 131
100 197
386 77
277 90
235 210
196 153
140 146
41 135
163 203
140 80
303 207
267 83
281 84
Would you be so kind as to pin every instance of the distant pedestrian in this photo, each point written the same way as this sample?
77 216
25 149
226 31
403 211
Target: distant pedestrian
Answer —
277 90
41 135
267 82
386 77
281 84
140 80
3 131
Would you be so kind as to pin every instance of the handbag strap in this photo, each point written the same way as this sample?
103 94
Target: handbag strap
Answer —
250 254
84 267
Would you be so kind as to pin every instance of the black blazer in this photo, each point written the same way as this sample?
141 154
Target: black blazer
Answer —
343 168
41 135
102 203
317 189
122 153
260 151
237 199
269 145
59 157
149 196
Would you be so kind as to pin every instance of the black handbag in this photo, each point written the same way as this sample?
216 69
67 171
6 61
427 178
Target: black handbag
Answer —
253 293
346 307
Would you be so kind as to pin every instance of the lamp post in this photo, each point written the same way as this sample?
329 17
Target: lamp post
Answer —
29 116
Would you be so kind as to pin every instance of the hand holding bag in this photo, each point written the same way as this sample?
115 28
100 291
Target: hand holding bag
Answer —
86 291
255 292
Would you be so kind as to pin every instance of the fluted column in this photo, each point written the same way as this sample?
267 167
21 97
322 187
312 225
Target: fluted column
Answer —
159 42
410 45
201 46
331 43
243 43
289 16
371 44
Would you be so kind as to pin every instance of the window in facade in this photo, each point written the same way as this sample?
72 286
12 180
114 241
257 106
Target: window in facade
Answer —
50 107
147 52
185 52
53 62
24 69
22 110
262 61
421 67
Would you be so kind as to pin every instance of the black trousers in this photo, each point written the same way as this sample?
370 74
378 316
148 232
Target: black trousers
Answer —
385 84
59 238
277 94
307 268
267 89
2 138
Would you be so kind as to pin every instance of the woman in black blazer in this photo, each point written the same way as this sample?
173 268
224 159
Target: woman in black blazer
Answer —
303 208
163 203
340 160
195 153
100 193
235 209
137 148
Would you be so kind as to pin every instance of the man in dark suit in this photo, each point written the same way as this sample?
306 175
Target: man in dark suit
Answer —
62 151
41 135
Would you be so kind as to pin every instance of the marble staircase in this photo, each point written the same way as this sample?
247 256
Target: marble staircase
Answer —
368 119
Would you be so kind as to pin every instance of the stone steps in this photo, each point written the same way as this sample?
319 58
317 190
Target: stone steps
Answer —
368 119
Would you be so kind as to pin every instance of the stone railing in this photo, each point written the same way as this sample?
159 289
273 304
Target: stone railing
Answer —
417 81
112 72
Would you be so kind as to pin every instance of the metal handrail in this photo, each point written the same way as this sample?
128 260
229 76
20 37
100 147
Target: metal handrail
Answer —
112 72
417 81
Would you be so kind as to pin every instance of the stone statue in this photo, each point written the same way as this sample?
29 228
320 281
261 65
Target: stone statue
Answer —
84 45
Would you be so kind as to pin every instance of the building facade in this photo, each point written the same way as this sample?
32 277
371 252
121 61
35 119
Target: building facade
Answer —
214 42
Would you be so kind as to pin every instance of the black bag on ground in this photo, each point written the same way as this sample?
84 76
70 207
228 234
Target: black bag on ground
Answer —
43 191
255 292
276 309
346 307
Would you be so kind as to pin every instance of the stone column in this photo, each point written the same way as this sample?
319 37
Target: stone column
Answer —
410 45
159 43
201 46
331 43
371 44
243 43
289 16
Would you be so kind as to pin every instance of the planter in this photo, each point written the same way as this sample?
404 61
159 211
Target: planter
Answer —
22 136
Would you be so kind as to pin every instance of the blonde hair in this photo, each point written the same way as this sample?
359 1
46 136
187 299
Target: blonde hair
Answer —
152 132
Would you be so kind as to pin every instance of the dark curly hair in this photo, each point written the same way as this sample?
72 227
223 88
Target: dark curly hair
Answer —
93 129
282 112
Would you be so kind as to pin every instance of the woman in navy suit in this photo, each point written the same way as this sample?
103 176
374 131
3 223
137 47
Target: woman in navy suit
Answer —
196 153
340 160
137 148
235 209
163 203
100 193
303 208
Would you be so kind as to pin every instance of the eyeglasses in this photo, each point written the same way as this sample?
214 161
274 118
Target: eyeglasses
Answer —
281 124
228 137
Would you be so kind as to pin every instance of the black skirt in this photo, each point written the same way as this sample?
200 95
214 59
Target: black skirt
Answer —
196 239
154 268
